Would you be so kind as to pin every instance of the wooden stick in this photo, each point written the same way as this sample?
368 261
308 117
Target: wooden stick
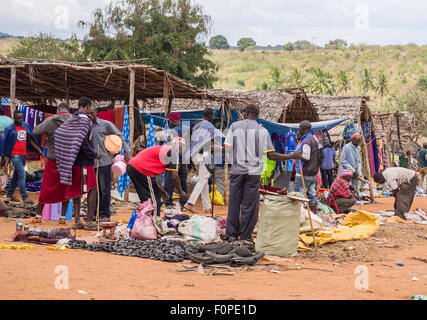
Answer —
368 164
12 90
339 165
213 194
308 206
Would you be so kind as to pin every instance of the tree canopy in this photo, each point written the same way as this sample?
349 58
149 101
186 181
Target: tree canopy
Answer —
219 42
244 43
167 33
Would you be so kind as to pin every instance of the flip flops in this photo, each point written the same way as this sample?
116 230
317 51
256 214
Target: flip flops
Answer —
91 226
62 220
78 225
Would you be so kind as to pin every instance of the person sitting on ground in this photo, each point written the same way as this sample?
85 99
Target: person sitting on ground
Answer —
404 182
151 162
342 195
17 138
52 191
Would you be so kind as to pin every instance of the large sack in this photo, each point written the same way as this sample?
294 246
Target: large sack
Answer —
143 228
278 231
199 229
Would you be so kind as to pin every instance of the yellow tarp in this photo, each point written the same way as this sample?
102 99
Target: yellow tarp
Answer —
360 225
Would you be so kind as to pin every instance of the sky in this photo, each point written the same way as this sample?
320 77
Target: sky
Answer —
268 22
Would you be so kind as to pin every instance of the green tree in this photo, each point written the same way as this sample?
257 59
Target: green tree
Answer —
304 45
219 42
276 80
166 33
343 81
414 100
245 43
382 85
289 47
336 44
44 46
295 79
321 82
366 82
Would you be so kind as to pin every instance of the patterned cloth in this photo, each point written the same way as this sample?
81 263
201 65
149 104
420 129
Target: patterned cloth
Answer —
68 139
124 180
341 188
151 141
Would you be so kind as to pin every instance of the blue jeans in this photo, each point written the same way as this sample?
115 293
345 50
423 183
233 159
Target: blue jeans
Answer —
104 183
18 177
310 185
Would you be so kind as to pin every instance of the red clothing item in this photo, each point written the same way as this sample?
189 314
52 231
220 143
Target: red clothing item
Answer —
341 188
107 115
75 190
20 148
151 161
52 191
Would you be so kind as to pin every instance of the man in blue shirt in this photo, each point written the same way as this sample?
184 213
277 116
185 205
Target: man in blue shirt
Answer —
328 164
422 156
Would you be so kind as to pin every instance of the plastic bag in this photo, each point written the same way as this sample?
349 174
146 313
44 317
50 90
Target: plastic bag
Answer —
199 229
218 200
143 228
132 219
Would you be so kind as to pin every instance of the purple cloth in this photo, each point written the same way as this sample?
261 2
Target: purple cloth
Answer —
68 141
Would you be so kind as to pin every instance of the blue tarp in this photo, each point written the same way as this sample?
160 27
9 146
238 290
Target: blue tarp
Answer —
284 128
192 116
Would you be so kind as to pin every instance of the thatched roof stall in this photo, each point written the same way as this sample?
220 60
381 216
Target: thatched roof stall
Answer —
336 107
400 128
282 106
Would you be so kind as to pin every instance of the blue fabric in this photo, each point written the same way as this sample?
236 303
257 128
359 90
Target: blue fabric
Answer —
422 157
328 162
350 159
124 180
5 101
8 139
18 177
376 156
151 142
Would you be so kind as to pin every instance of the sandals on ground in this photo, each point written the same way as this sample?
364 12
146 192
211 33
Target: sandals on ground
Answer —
78 225
91 226
62 220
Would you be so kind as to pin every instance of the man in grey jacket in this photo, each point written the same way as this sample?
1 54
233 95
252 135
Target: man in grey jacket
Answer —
52 191
102 128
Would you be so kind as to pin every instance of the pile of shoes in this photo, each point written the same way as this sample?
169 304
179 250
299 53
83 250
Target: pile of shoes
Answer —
20 211
237 253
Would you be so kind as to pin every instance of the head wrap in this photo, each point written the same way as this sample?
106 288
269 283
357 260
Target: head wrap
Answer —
346 173
356 136
175 116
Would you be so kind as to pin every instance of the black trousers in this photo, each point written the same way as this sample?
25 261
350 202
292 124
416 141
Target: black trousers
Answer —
140 181
243 206
104 183
327 178
169 186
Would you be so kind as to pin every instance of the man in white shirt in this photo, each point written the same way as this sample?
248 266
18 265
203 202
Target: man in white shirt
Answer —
403 182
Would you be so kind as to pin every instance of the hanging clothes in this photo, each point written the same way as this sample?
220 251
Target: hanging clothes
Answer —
291 145
150 138
371 156
106 115
119 114
124 180
375 153
367 130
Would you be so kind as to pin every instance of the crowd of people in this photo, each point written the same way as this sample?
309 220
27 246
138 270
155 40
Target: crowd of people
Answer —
77 154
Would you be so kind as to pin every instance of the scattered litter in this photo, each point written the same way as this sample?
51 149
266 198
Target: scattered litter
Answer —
420 259
349 248
189 284
82 292
399 263
419 297
273 271
200 269
414 279
57 248
14 246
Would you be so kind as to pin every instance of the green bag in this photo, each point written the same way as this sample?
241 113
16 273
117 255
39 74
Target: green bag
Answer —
278 231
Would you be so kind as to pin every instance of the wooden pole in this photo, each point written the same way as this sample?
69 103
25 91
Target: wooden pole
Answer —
308 206
131 118
12 90
97 191
339 165
226 164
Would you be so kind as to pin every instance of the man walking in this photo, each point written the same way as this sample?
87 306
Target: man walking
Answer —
350 159
403 182
245 145
17 138
52 191
203 138
102 128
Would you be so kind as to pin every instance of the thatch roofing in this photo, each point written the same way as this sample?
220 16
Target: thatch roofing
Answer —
336 107
41 80
391 126
284 106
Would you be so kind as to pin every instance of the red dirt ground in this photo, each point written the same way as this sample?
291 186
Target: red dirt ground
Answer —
29 274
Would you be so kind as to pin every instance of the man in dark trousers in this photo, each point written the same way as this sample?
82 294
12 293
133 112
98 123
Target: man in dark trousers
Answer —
101 129
17 138
245 145
52 191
